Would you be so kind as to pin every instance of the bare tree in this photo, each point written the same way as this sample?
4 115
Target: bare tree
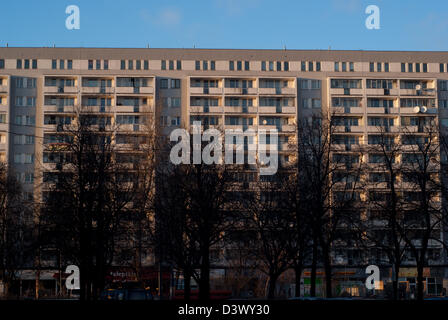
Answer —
326 202
14 228
92 198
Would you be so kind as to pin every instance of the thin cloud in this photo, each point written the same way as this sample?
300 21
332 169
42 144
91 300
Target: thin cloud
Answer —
348 6
166 17
236 7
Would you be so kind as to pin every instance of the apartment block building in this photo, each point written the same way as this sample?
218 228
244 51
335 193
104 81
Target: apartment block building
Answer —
362 91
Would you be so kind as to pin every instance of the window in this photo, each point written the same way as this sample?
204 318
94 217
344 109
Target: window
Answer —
205 65
179 65
239 65
425 67
175 102
26 63
279 66
285 66
352 67
417 67
372 67
90 64
122 64
344 66
164 84
130 64
171 65
2 118
263 65
378 67
146 65
271 66
197 65
231 65
105 63
403 67
442 67
163 67
61 64
410 67
386 67
310 66
70 64
175 83
19 64
317 66
246 65
303 66
336 66
2 64
212 65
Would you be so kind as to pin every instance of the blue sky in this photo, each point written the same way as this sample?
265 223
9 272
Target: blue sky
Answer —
312 24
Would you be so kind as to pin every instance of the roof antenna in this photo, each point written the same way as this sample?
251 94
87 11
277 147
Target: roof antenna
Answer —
194 46
147 46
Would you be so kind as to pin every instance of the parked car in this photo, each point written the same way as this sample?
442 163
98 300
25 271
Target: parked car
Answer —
126 294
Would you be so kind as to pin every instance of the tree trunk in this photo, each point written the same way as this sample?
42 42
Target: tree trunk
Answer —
328 276
298 274
420 287
395 281
187 285
313 269
204 283
271 286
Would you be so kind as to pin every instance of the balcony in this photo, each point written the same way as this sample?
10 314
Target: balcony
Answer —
240 109
97 109
382 92
240 91
133 109
98 90
346 91
415 92
383 129
4 127
134 90
277 109
206 109
355 129
347 110
56 89
278 127
205 90
242 127
381 110
277 91
58 109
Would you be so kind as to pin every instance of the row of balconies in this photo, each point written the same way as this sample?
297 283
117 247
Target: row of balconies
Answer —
100 90
242 91
240 109
381 110
97 109
381 92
